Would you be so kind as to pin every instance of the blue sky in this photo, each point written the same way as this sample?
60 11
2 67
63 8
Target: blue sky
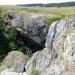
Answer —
13 2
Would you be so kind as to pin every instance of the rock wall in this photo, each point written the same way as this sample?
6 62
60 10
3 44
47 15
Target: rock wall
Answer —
57 58
35 27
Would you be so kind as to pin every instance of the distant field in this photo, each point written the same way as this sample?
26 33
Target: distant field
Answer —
46 10
54 12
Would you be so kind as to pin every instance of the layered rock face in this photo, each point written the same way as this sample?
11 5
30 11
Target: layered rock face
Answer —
57 58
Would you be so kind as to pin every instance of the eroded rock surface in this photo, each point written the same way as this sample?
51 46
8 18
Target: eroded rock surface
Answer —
14 60
57 58
10 72
35 27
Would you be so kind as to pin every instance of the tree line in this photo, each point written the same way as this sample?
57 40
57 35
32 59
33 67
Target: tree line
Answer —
63 4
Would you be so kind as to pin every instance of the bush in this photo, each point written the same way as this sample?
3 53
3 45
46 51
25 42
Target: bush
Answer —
14 42
35 72
52 19
3 41
9 40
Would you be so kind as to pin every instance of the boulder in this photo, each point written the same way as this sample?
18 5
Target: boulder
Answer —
57 58
34 27
10 72
69 55
14 60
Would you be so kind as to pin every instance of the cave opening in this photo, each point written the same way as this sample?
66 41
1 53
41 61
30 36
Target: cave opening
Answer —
31 44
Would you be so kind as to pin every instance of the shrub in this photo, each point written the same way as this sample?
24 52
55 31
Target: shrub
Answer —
3 41
9 40
52 19
35 72
14 42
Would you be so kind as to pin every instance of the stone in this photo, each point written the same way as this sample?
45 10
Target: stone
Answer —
69 55
10 72
35 27
57 58
14 60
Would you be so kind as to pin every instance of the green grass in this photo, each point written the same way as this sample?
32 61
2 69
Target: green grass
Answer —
52 19
45 10
35 72
54 13
53 10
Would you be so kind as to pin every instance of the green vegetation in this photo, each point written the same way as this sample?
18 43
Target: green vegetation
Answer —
14 42
9 40
35 72
52 19
63 4
52 11
3 42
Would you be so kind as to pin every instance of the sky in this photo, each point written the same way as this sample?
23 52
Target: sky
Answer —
14 2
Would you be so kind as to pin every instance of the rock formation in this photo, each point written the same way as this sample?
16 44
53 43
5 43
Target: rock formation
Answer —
10 72
15 60
57 58
31 26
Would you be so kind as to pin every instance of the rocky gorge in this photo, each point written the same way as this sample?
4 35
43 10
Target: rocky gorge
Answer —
52 48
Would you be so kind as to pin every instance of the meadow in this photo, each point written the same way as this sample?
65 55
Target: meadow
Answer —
55 13
42 10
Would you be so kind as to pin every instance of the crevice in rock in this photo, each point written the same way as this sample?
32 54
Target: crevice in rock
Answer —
30 43
54 34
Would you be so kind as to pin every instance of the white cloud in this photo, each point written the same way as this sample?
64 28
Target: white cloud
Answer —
7 2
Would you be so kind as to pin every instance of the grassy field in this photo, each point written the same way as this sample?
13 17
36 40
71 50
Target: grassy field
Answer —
43 10
54 12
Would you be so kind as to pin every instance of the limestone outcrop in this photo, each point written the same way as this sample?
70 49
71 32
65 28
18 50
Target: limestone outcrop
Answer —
57 58
15 60
34 27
